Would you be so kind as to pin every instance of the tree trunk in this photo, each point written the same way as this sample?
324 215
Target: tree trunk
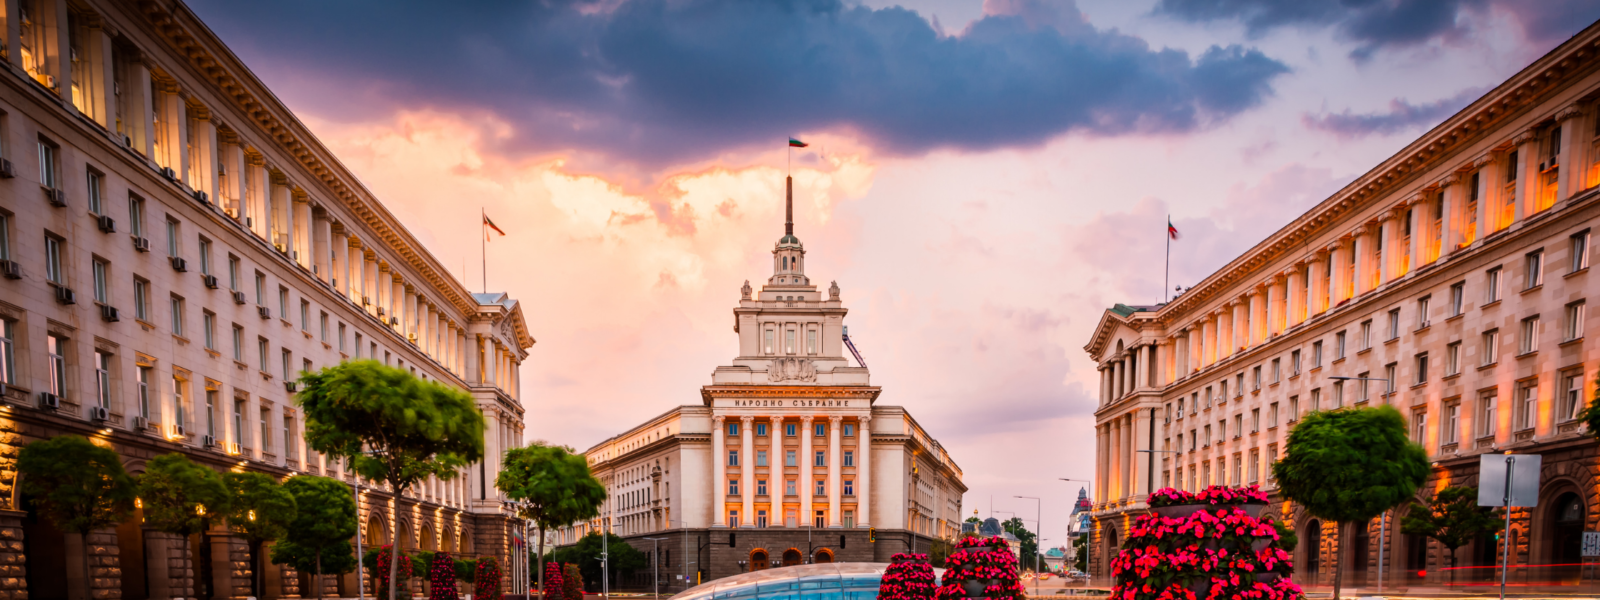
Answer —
318 583
1452 567
258 579
85 588
394 561
543 593
1338 559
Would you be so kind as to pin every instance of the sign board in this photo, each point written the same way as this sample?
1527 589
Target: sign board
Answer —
1524 480
1591 543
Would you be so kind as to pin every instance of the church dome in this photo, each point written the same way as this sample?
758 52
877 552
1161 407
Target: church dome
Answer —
789 240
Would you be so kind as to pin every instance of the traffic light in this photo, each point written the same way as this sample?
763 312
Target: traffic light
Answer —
872 535
841 542
730 540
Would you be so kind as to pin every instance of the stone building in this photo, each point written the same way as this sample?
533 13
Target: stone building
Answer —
176 248
1450 281
787 459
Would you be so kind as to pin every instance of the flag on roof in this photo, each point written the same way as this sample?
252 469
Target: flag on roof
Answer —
794 143
490 225
1171 231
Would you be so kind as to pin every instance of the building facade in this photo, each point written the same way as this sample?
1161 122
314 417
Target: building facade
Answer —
176 249
1450 281
788 458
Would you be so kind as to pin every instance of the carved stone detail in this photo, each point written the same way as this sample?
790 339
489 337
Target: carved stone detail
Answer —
792 369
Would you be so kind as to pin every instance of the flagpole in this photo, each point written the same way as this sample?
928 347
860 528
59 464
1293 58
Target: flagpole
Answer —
1166 273
483 245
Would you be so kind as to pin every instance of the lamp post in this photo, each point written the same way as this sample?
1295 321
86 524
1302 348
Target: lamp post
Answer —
1383 523
1069 525
655 561
361 575
1038 523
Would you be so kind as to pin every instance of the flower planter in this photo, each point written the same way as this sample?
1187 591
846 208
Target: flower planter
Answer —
1254 510
1179 511
974 587
1201 586
1267 578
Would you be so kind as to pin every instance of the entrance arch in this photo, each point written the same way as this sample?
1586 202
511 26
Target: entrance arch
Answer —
1313 544
759 560
1111 547
1564 527
823 555
791 557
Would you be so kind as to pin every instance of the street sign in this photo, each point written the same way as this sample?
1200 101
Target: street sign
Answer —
1524 479
1591 543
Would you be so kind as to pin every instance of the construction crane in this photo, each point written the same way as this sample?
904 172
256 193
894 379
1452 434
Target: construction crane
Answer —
852 346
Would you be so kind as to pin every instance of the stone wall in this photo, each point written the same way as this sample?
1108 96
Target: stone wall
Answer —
105 565
170 568
13 564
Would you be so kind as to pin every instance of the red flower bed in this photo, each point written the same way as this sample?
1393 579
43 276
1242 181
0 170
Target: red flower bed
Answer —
1219 551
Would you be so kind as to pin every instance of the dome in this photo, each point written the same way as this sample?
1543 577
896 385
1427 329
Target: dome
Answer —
827 581
789 240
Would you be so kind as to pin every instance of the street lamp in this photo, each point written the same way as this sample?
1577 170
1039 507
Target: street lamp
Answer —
1383 524
1038 523
1070 539
655 560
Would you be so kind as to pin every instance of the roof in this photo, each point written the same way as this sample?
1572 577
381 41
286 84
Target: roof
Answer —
513 310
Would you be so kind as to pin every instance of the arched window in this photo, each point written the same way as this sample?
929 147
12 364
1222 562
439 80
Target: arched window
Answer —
758 559
791 557
1313 543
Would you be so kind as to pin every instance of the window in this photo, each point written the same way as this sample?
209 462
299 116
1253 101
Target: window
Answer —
1316 354
822 490
849 430
5 236
288 437
788 488
359 341
1579 243
1491 346
849 458
1366 334
174 243
761 458
733 515
1272 411
1528 335
1574 321
266 430
287 360
1394 324
205 256
8 356
135 216
305 316
1422 311
262 351
49 164
283 303
177 316
1492 286
1316 405
789 429
1238 390
102 379
1338 394
261 289
1419 425
341 336
1452 359
821 459
208 321
1451 425
100 267
1294 363
761 428
849 515
142 381
811 341
56 351
733 458
733 429
96 184
1338 345
1255 377
821 429
768 340
53 271
849 487
238 343
788 341
233 273
1422 367
733 487
1277 370
1535 268
1527 398
1571 395
1389 373
761 487
1223 386
1207 443
180 406
1488 413
1255 466
789 459
1458 294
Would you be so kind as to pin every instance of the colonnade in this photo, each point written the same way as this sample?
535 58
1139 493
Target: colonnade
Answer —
775 472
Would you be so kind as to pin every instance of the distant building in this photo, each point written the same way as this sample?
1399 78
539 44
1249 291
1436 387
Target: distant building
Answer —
1055 558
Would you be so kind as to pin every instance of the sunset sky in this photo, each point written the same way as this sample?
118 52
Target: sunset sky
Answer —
984 177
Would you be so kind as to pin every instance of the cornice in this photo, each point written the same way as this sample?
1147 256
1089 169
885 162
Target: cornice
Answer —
711 392
1514 97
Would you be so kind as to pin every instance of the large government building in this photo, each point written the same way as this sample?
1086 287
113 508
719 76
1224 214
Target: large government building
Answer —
1450 281
176 249
788 459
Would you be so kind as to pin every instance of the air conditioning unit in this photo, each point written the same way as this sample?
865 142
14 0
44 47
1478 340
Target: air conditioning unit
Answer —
49 400
280 247
141 244
12 269
109 313
57 197
232 212
411 337
238 297
6 170
249 222
314 270
107 224
201 197
289 386
65 295
380 311
179 264
178 430
395 321
99 413
140 423
127 140
266 313
208 441
365 301
211 281
168 173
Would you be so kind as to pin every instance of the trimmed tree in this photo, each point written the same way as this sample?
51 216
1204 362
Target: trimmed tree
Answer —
442 577
552 580
1452 518
180 497
317 541
554 486
1349 466
390 426
258 510
571 582
79 487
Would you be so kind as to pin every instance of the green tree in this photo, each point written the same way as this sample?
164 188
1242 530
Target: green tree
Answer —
1454 519
586 555
1029 543
553 485
1351 465
180 497
1081 543
79 487
1590 415
390 426
259 509
317 541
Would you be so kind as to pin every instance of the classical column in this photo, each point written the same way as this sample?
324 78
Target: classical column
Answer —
342 270
1116 378
1527 187
1102 456
1275 310
747 470
1361 251
807 487
1208 340
1297 296
719 473
864 471
1421 234
1569 156
1225 347
775 473
1239 324
1317 302
1450 223
1115 486
1105 395
835 467
1192 353
1258 317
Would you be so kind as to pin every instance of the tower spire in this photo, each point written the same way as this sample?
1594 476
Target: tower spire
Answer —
788 205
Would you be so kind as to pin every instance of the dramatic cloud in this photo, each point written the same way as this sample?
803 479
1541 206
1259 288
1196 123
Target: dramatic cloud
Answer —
1385 24
659 82
1401 116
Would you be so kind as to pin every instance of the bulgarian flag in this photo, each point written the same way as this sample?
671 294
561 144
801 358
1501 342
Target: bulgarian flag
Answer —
1172 232
490 225
794 143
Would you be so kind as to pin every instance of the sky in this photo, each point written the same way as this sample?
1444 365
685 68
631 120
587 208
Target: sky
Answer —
984 177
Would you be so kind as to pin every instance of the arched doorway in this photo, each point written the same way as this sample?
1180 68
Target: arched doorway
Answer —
791 557
1416 556
1566 538
1313 544
1111 549
44 549
427 538
823 555
758 559
1360 545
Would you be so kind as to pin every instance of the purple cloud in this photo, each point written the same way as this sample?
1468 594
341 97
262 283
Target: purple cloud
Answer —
654 82
1401 116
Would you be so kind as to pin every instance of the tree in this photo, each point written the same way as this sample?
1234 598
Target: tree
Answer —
554 486
586 555
258 510
390 426
571 583
1454 519
1351 465
1026 540
180 497
1081 544
79 487
317 541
